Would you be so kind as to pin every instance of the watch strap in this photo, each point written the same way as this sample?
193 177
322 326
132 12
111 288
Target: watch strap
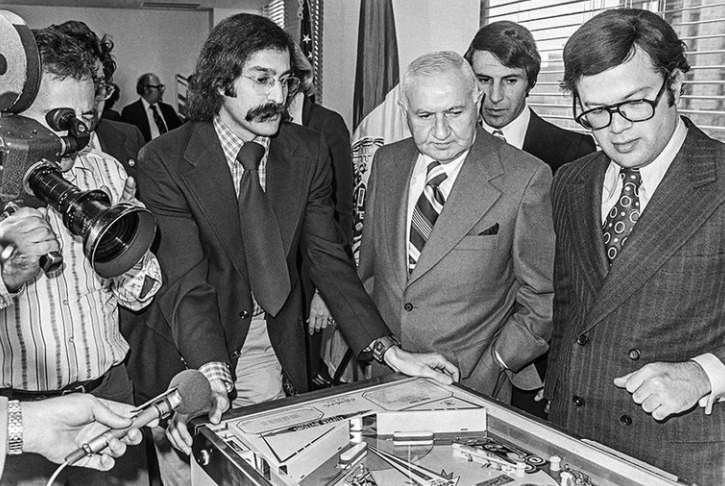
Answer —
15 428
381 346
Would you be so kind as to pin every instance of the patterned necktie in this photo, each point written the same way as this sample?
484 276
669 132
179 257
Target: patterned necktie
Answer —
499 134
266 260
159 121
426 211
623 216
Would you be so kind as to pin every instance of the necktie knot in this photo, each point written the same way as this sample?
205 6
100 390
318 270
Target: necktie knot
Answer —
499 134
631 178
436 174
624 214
250 155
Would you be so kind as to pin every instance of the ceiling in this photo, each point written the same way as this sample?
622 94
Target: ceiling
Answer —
147 4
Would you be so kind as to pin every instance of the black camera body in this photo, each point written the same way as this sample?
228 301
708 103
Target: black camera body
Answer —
115 237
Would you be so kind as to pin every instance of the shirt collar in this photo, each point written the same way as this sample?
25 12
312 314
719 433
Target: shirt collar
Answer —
514 131
231 142
652 173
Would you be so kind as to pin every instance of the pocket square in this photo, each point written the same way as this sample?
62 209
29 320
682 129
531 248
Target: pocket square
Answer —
493 230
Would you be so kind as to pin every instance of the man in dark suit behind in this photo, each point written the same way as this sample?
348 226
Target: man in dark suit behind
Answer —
205 316
639 275
506 62
152 116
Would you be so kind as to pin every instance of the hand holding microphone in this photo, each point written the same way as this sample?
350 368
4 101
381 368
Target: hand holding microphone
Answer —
189 393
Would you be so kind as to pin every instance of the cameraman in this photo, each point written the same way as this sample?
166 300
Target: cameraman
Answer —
59 331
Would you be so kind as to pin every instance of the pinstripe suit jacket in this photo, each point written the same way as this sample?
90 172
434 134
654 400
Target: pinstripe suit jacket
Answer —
663 299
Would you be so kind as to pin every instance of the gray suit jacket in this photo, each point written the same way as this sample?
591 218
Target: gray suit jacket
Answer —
483 280
663 299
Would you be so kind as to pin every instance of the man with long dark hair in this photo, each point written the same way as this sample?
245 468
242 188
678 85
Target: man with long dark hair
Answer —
639 274
232 305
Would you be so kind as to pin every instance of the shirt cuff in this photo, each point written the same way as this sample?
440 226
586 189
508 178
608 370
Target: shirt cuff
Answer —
218 370
715 371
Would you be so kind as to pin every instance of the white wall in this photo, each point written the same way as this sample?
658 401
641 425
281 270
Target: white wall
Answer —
164 42
421 26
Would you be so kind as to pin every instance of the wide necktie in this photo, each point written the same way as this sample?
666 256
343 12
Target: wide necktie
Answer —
499 134
266 260
158 120
426 212
623 216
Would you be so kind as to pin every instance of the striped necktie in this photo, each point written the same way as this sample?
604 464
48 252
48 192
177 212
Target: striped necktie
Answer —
426 211
499 134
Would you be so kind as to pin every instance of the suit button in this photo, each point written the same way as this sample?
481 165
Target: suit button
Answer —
578 401
582 340
244 314
236 354
131 162
634 354
625 420
408 307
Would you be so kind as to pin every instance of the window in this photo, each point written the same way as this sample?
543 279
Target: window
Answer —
699 23
275 12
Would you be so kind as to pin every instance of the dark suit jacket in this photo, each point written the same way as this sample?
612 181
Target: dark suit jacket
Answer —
332 127
121 140
483 280
203 310
663 299
553 144
136 115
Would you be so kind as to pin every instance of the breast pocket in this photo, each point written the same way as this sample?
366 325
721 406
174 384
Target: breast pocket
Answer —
477 242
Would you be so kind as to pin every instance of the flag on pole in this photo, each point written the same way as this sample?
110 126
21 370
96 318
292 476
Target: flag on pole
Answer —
377 118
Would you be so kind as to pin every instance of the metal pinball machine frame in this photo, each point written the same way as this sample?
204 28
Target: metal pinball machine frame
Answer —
396 431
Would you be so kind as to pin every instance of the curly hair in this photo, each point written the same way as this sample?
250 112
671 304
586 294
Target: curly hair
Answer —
100 48
63 56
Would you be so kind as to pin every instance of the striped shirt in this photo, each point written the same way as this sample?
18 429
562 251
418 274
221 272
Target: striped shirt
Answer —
63 328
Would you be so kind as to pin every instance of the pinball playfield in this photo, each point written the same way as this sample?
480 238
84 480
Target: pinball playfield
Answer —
402 431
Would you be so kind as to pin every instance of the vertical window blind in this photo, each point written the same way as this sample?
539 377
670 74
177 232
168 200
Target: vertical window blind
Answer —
699 23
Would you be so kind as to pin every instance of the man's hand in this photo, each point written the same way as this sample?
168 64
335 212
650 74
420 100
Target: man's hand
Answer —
429 365
128 195
663 389
177 431
320 316
30 233
56 427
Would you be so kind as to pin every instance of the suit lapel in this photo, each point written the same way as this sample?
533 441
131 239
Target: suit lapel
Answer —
211 185
683 202
585 206
285 171
471 197
395 210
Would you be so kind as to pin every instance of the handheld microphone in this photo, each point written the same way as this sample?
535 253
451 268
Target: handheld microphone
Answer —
189 393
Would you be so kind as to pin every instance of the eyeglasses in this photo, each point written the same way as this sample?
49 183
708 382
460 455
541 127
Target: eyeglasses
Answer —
264 83
159 87
633 110
104 91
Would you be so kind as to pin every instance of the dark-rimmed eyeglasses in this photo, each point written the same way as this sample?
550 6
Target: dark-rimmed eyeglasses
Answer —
159 87
263 83
632 110
104 91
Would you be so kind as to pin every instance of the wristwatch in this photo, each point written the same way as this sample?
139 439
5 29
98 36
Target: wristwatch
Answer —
381 346
15 428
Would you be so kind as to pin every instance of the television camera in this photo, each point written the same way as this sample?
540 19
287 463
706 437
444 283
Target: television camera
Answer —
115 237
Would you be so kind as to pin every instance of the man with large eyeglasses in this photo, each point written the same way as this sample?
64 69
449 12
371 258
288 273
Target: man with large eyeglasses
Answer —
151 115
241 198
636 359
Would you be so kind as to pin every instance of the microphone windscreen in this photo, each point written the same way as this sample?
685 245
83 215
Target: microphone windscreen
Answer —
194 390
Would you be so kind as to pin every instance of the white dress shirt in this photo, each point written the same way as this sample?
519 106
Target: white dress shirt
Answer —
514 132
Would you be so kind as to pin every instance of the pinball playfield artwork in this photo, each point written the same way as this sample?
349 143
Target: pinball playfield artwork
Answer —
400 431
